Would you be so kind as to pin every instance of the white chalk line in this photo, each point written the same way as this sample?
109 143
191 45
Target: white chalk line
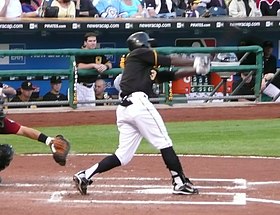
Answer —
238 183
149 202
238 198
159 155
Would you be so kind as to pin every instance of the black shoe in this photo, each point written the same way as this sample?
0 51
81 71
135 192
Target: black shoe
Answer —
81 182
185 189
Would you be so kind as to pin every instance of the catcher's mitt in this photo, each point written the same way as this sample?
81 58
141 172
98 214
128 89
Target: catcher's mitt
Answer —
6 155
60 148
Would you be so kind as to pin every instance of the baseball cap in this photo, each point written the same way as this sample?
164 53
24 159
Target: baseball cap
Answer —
55 80
27 85
268 44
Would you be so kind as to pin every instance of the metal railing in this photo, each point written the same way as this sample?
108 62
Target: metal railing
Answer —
72 72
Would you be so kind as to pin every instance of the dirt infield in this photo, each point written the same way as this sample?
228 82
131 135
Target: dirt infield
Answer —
228 185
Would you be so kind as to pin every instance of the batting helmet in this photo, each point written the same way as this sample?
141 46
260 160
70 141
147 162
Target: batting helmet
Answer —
138 40
6 155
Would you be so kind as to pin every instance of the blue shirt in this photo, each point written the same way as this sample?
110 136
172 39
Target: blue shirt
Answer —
130 9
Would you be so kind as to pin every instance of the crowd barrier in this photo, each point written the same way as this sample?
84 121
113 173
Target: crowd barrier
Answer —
72 72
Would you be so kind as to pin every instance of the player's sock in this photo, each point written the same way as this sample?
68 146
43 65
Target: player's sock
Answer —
173 163
106 164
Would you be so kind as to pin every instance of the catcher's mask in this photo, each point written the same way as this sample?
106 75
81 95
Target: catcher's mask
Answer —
138 40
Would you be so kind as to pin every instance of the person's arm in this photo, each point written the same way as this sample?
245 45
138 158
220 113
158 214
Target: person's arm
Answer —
72 10
184 72
34 134
179 61
108 65
3 10
99 67
234 10
77 6
139 10
9 91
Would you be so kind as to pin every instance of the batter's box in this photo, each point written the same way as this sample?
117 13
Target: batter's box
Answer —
212 192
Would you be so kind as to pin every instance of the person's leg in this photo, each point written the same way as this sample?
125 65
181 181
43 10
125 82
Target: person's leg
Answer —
85 94
272 91
152 128
129 140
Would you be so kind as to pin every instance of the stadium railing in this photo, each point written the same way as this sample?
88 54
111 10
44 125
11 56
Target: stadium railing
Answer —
72 72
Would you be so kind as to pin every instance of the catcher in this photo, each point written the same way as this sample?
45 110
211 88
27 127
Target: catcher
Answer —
59 146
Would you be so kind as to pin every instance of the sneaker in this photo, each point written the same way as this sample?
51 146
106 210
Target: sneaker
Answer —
81 182
186 189
202 65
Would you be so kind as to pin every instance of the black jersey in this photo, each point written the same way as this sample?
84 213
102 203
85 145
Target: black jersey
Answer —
54 97
138 74
98 59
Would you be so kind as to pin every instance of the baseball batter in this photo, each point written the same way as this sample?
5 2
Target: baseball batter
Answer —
136 115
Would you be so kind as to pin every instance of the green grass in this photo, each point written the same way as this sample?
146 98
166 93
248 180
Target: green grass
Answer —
244 137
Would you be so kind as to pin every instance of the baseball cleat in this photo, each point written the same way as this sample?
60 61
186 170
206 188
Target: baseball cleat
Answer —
81 182
186 189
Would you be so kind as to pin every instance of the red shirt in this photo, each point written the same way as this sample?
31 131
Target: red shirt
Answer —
10 127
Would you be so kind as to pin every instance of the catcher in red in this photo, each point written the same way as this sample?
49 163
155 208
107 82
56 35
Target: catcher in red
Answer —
59 146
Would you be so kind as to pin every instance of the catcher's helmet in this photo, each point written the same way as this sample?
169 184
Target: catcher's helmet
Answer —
6 155
138 40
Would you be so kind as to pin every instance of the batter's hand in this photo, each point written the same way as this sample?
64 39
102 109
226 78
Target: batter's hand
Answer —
202 65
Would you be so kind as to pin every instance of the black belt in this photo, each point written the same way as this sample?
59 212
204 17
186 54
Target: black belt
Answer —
125 102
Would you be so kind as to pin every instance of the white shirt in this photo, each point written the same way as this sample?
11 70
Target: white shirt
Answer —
13 9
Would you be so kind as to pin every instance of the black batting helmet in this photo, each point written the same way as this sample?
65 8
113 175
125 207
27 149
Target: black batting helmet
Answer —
138 40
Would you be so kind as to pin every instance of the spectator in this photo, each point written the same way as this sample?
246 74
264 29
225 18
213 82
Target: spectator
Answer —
36 3
270 61
24 94
100 94
10 8
26 6
85 88
67 8
269 7
243 8
131 8
247 88
217 8
191 9
54 94
202 8
269 88
270 82
85 8
162 8
107 8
